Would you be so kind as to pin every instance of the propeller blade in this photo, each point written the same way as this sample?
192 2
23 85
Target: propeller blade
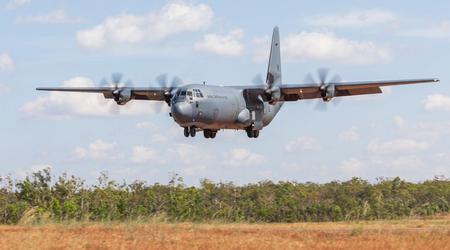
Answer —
116 78
310 79
321 106
323 75
258 80
176 81
162 80
129 84
104 82
336 79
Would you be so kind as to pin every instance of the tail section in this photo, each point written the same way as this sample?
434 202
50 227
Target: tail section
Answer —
274 69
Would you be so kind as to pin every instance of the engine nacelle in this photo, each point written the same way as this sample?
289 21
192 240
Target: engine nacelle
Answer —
122 96
274 95
328 92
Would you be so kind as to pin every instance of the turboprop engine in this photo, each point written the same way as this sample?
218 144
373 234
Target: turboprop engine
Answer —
273 95
327 92
122 95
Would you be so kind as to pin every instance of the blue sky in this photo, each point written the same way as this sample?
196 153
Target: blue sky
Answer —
404 132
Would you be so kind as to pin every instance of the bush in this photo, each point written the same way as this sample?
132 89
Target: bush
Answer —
37 198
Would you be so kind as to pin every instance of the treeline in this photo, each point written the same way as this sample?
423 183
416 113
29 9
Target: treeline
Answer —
67 198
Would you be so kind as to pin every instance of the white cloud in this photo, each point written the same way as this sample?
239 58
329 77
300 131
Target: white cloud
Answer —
429 130
352 167
173 18
13 4
302 144
399 121
398 146
190 154
349 135
437 102
57 16
262 48
194 170
24 172
62 105
326 46
6 62
225 45
98 150
439 30
242 157
355 19
146 125
407 163
143 155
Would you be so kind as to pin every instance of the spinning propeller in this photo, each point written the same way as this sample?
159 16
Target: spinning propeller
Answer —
169 87
327 86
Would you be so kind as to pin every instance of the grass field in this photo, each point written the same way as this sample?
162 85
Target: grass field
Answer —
402 234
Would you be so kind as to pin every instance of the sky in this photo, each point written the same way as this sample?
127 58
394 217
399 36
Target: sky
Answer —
404 132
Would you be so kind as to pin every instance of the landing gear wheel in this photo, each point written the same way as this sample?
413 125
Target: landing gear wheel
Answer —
186 131
192 131
249 133
207 133
213 134
252 133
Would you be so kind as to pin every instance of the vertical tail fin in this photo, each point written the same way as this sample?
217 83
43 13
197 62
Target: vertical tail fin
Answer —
274 68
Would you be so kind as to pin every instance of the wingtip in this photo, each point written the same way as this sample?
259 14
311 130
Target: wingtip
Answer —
436 80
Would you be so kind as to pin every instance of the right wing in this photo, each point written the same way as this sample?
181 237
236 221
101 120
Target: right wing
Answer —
151 93
312 91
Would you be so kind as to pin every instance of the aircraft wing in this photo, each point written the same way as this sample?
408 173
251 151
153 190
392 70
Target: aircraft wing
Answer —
151 93
312 91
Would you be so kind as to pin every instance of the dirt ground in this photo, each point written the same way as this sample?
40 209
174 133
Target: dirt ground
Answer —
402 234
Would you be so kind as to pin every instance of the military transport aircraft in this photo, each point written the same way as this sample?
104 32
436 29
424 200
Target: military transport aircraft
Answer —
207 108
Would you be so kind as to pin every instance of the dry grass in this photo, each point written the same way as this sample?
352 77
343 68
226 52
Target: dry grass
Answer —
404 234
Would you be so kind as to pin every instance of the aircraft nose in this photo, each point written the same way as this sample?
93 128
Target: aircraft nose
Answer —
182 112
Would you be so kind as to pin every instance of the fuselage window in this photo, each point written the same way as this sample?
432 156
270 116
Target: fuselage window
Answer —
183 93
189 93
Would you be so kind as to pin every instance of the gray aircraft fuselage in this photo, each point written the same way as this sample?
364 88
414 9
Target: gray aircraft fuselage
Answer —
218 108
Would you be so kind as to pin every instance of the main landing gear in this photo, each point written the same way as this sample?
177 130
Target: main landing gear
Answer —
252 133
190 131
209 133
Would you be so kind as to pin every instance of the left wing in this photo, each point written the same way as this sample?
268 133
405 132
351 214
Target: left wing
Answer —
151 93
313 91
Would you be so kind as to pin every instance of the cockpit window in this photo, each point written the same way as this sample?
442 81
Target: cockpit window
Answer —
183 93
198 93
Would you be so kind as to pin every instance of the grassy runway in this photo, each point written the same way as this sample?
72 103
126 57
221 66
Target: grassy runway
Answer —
398 234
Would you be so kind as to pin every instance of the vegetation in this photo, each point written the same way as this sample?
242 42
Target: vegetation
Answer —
67 198
392 234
